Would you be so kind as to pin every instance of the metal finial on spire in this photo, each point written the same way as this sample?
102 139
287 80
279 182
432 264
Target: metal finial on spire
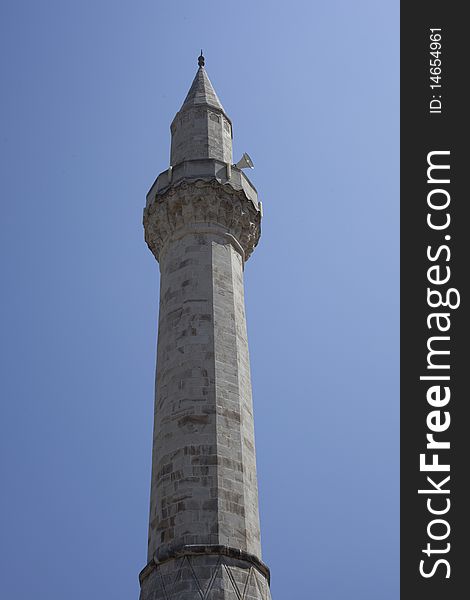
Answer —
201 60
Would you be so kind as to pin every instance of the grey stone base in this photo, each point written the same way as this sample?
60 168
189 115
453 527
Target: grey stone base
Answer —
197 576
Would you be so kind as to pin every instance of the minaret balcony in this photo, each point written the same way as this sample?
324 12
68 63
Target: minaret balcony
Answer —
207 169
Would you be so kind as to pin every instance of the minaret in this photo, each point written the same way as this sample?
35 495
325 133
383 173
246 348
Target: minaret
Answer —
202 222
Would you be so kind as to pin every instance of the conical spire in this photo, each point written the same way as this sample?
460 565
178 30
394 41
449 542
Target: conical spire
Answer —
201 128
202 92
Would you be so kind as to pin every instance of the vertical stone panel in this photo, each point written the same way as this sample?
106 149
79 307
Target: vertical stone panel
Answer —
238 522
184 472
247 433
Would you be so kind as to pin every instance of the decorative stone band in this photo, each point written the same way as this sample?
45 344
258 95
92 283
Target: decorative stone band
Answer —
206 550
199 206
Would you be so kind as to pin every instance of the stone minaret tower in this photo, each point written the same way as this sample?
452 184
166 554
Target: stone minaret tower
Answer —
202 222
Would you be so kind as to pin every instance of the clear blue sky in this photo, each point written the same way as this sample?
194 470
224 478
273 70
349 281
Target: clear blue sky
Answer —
89 89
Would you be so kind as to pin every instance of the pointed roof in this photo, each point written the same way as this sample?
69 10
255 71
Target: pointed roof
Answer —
201 92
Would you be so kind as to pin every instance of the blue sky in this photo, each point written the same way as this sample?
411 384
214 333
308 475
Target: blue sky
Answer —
88 93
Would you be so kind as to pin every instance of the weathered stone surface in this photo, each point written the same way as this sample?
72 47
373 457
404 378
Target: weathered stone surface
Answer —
204 487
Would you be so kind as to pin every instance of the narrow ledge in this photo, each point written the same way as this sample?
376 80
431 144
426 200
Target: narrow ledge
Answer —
204 549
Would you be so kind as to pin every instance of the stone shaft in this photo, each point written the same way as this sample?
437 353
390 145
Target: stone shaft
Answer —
204 488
